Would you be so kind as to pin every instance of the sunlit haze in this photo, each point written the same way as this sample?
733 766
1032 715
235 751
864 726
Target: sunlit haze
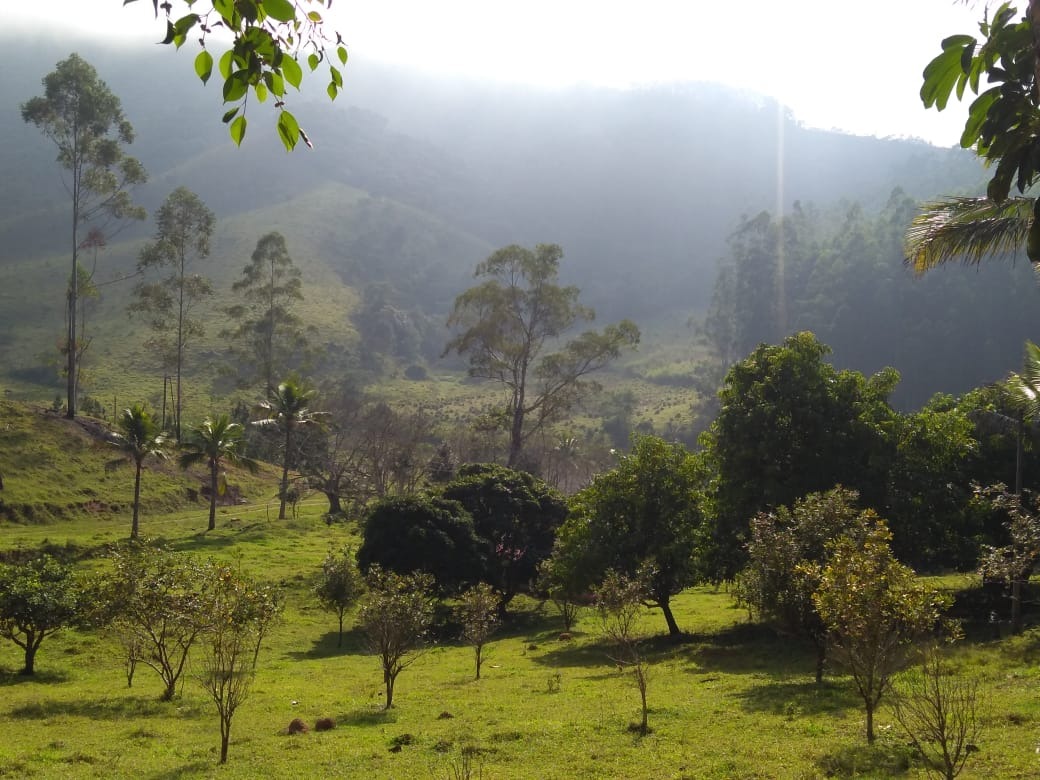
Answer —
849 66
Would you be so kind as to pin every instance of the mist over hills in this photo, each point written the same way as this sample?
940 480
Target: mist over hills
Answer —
413 181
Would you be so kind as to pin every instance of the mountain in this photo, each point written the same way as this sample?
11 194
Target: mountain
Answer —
412 182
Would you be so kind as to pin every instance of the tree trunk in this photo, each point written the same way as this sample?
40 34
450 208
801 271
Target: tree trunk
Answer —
285 472
31 646
137 500
1016 605
339 642
821 659
389 680
335 507
478 650
225 737
71 366
212 495
669 618
870 723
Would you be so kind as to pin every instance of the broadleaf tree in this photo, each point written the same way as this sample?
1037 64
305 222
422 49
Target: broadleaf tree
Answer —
37 599
271 41
647 514
85 121
507 323
184 225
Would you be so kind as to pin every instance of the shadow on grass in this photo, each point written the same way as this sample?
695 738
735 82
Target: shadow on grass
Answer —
43 678
194 769
106 709
216 540
799 698
367 716
327 646
877 760
749 648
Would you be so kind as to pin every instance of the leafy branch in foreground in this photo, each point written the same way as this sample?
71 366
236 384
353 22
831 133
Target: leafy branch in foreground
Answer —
271 40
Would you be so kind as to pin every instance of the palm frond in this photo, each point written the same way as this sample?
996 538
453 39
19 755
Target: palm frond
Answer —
966 229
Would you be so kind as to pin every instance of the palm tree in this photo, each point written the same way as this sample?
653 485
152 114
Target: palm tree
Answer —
215 441
138 438
969 229
287 406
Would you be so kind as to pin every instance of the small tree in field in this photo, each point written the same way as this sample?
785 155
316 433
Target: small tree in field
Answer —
238 619
395 616
37 598
158 602
478 611
620 603
138 439
875 609
936 710
340 585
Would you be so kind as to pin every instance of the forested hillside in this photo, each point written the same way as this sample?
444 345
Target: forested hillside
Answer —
412 182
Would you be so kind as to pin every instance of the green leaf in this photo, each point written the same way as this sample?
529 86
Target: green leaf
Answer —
977 115
229 115
282 10
312 62
337 77
292 71
332 91
342 53
288 130
204 65
238 130
314 16
274 83
261 91
235 88
943 73
225 63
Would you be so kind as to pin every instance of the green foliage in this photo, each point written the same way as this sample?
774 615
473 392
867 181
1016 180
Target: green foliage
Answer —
267 333
184 226
649 511
240 614
791 424
875 609
215 441
515 517
269 40
507 322
38 597
395 616
339 585
85 121
478 612
619 601
157 603
423 533
787 551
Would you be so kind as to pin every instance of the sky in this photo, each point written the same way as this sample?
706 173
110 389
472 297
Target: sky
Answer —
836 64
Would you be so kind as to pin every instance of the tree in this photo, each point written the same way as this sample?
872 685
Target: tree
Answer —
423 533
158 602
646 514
478 611
968 229
395 616
791 424
620 604
266 328
215 442
37 599
139 438
340 585
505 325
787 551
288 407
1015 561
935 709
515 516
270 39
184 226
1001 126
875 609
238 619
85 121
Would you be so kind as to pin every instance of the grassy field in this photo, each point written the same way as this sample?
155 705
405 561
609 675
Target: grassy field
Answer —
731 701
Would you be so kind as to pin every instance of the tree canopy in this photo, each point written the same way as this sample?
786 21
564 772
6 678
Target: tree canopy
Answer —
506 323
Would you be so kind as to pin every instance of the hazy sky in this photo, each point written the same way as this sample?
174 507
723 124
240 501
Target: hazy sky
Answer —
837 64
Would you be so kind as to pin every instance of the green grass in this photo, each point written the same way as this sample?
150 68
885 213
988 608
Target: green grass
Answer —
732 700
